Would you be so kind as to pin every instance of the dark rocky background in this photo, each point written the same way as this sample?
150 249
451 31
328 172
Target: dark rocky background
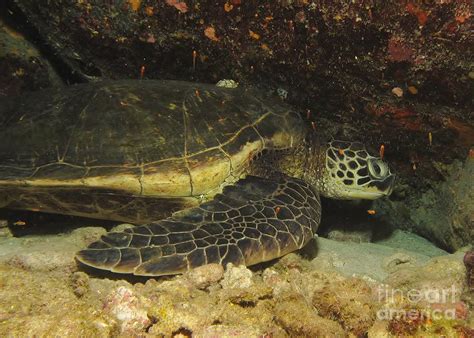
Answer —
392 73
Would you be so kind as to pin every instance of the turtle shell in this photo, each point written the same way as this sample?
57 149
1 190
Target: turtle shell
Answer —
166 139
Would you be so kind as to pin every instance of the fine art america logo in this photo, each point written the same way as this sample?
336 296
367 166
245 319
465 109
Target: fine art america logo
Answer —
432 304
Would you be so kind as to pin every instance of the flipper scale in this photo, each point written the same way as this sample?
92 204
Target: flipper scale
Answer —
211 233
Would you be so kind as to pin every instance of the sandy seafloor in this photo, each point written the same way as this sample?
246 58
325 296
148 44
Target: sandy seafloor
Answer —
403 285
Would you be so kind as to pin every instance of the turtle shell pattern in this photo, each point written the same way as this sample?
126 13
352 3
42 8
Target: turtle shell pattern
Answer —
112 143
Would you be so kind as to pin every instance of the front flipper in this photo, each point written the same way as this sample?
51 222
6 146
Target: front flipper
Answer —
253 221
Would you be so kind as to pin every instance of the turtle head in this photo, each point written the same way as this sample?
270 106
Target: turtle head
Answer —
351 172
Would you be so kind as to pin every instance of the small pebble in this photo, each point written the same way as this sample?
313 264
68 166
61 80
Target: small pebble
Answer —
471 75
206 275
397 91
128 309
79 283
236 277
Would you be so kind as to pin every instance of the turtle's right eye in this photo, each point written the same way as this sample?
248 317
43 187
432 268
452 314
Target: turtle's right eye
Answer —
378 169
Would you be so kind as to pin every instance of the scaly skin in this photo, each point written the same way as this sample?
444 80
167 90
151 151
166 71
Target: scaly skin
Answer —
337 169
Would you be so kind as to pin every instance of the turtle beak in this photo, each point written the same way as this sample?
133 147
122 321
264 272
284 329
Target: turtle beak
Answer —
385 186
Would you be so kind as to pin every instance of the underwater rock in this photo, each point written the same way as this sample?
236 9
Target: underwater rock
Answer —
87 235
367 260
410 242
80 283
43 261
178 309
299 319
443 214
128 309
47 253
379 330
441 274
5 232
173 311
229 331
335 302
50 307
206 275
290 298
468 295
45 325
275 281
335 294
350 302
246 297
236 277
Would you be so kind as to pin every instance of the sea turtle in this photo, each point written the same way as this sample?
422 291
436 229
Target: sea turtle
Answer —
242 167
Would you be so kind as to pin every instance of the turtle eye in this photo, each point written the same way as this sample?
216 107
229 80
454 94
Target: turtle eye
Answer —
378 169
